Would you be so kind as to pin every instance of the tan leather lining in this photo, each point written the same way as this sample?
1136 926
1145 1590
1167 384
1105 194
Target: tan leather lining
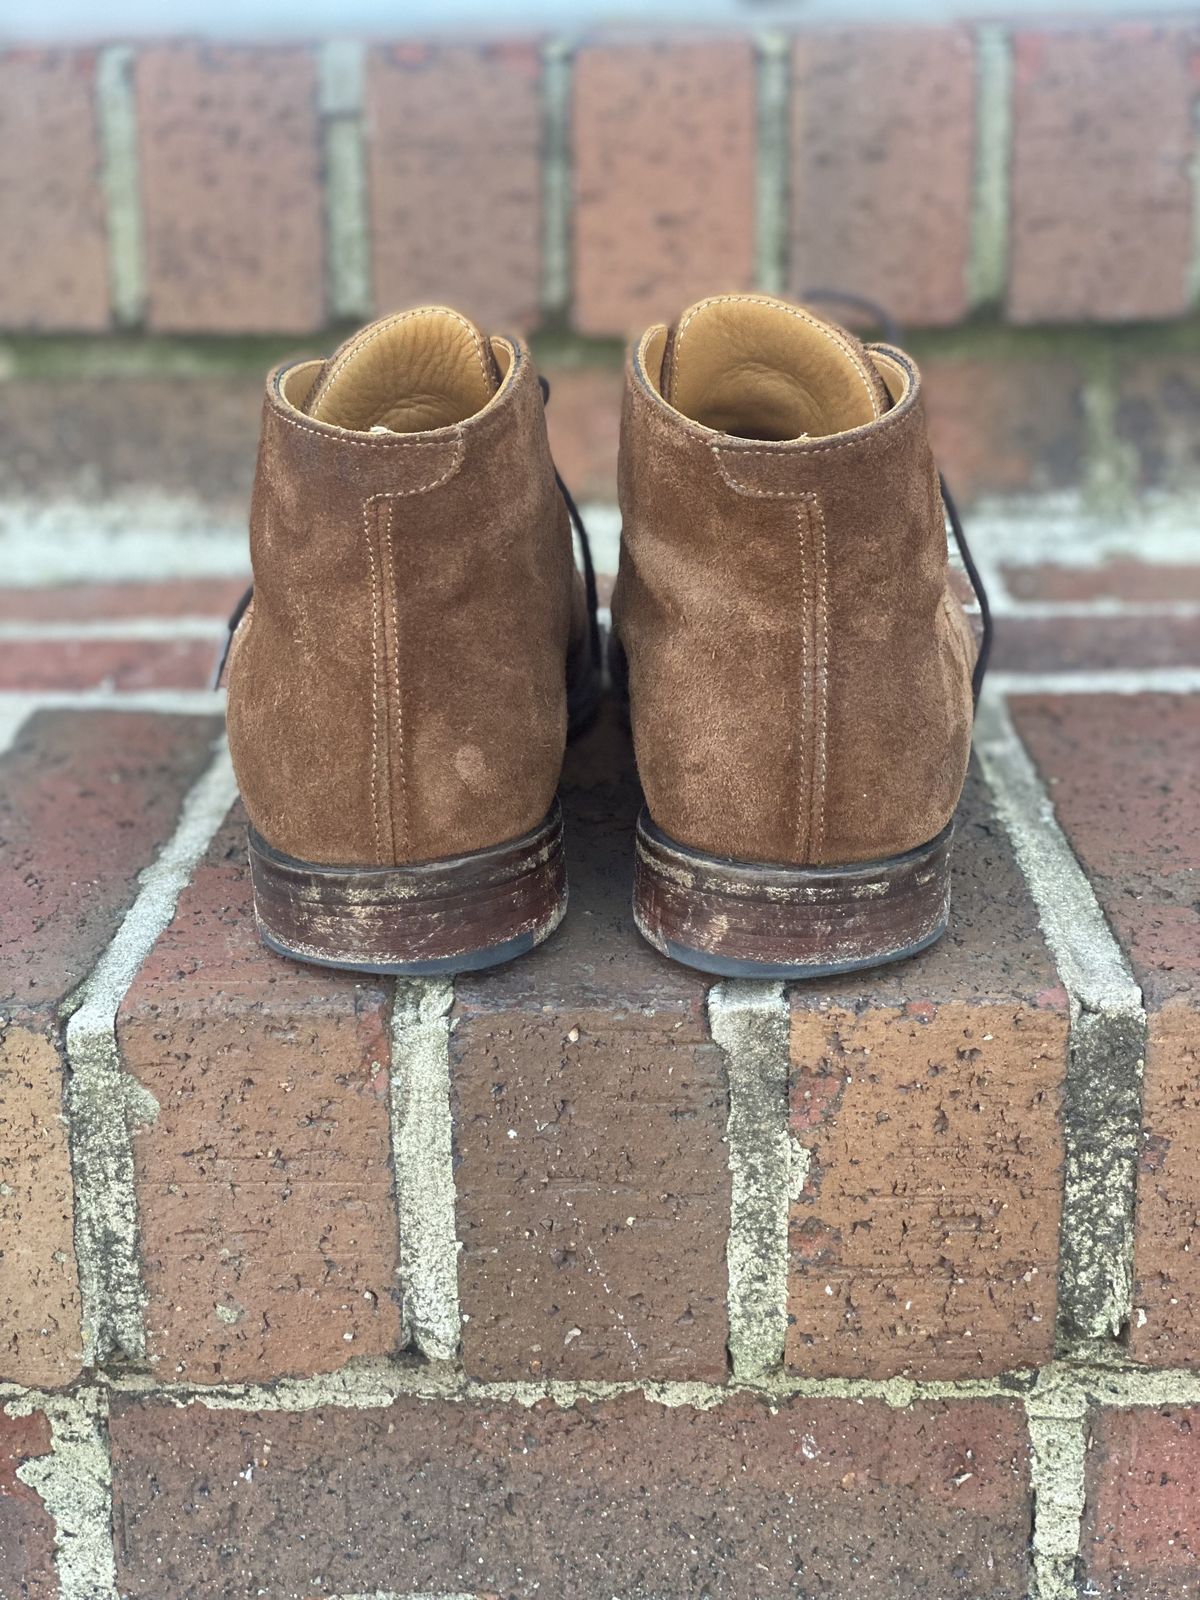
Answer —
419 370
758 368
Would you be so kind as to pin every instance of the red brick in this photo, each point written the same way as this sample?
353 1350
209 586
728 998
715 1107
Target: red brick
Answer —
268 1234
1074 644
107 663
86 801
231 188
1123 579
1101 185
455 146
1141 1535
882 140
105 602
1007 425
747 1500
26 1527
1158 414
89 439
53 244
584 421
590 1110
664 148
1121 772
925 1237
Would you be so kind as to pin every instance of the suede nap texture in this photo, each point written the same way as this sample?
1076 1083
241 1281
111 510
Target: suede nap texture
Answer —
397 690
799 670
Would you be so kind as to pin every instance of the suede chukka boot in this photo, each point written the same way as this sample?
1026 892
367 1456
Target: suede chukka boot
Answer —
401 683
799 670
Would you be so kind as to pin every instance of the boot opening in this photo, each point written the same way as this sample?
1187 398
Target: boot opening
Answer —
757 368
422 369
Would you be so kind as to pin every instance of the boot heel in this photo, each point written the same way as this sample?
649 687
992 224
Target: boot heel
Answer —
742 919
447 916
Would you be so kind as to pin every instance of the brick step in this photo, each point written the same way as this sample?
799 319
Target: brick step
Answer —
484 1256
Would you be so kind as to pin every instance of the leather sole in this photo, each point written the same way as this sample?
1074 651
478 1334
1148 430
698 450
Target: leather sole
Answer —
456 915
741 919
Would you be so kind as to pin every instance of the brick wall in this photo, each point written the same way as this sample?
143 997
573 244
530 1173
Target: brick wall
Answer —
1041 172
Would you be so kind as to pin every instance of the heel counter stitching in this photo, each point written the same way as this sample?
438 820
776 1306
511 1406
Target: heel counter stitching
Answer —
817 835
814 679
376 658
398 788
389 764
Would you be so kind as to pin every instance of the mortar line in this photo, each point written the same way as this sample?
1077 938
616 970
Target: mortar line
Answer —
1102 1096
74 1483
376 1382
773 88
987 256
556 180
341 99
1057 1422
15 711
1193 275
1151 680
104 1103
423 1161
120 174
749 1022
115 628
168 702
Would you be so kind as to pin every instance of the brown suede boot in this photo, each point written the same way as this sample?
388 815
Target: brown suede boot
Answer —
399 686
799 671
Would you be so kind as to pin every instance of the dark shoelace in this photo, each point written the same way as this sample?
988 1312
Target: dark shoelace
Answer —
893 334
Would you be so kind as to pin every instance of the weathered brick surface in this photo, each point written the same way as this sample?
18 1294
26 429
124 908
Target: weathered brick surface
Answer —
1004 425
1125 579
664 150
40 1339
1158 414
86 800
745 1501
1101 191
1141 1534
1072 644
53 245
26 1529
1121 772
231 188
103 602
92 438
882 138
268 1234
924 1239
455 142
590 1108
107 663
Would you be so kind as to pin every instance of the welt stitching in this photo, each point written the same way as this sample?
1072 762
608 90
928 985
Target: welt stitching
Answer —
374 682
817 833
391 322
792 311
